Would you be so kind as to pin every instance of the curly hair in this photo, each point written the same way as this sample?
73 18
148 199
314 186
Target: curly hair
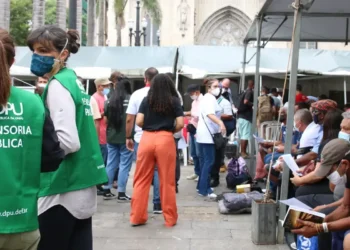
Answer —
160 96
116 103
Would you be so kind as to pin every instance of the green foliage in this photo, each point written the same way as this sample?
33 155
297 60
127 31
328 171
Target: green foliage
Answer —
21 15
153 7
50 12
119 6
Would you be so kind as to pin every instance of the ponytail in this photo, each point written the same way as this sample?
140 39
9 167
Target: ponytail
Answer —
7 55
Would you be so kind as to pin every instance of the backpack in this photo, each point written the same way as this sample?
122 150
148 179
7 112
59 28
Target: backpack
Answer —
237 173
240 102
264 104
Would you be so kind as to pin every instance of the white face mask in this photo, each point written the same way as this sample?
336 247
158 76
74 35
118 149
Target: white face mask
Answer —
343 135
335 178
42 85
215 92
194 97
295 127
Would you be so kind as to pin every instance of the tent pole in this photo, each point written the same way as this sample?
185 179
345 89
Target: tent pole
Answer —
290 118
177 80
244 63
256 83
87 86
345 92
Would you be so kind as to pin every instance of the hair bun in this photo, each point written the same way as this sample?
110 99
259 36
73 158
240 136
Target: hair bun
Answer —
73 40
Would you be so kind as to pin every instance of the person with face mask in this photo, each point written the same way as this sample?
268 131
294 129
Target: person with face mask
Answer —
320 108
40 85
344 133
102 90
210 123
193 91
68 196
335 164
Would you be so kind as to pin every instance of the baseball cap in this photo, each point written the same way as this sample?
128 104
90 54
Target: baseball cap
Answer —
192 88
324 105
333 152
102 81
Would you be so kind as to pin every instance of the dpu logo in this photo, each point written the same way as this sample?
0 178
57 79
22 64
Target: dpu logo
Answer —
12 109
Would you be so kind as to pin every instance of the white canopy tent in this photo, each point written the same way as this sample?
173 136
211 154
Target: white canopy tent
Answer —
319 21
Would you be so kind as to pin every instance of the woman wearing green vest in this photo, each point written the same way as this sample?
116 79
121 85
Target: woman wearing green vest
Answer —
24 129
68 196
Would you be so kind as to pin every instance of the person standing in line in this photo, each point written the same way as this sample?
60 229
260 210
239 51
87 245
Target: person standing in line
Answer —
160 116
114 78
40 85
193 91
132 110
245 117
208 125
102 90
119 157
21 161
225 85
68 196
230 124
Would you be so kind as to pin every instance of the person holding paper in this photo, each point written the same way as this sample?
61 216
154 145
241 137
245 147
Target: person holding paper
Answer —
338 222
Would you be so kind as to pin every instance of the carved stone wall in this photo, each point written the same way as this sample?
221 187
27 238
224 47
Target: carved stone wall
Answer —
225 27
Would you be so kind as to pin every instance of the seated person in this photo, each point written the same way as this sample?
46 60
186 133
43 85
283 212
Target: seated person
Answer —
310 182
338 222
335 162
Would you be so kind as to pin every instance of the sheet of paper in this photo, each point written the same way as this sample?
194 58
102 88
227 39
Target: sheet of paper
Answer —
296 203
258 139
290 162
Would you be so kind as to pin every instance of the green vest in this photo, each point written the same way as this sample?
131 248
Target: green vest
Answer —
21 131
84 168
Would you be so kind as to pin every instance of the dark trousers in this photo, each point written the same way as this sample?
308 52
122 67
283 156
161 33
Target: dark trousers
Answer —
177 169
314 200
104 152
219 161
60 230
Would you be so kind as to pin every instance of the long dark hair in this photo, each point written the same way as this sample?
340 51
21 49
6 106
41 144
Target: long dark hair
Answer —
160 96
7 56
331 124
116 103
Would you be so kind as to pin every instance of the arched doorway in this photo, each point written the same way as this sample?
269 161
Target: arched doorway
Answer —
225 27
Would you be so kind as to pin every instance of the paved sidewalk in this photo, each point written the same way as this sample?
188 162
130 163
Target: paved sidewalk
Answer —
200 226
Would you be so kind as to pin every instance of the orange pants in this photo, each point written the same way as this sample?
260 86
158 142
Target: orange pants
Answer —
155 148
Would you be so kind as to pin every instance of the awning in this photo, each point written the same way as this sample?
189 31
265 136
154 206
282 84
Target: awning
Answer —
93 62
325 21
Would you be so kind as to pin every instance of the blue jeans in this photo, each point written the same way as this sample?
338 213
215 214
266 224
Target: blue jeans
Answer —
156 193
194 154
104 153
118 157
206 161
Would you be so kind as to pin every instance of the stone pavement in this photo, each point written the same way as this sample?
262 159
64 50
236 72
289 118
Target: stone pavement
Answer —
200 226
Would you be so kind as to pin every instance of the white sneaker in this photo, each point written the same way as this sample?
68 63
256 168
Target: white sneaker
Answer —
197 179
293 245
212 189
192 177
212 196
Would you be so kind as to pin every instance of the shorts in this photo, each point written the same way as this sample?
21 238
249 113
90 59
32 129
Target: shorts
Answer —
244 129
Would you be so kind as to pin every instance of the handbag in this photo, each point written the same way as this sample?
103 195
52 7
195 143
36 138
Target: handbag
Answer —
218 139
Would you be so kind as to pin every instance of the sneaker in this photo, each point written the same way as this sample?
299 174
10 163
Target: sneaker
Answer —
293 246
214 183
212 196
192 177
100 191
108 195
157 209
197 179
122 197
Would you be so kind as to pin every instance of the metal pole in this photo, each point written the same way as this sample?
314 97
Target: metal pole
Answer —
144 36
73 14
177 80
87 86
345 92
137 31
256 83
290 118
130 36
244 63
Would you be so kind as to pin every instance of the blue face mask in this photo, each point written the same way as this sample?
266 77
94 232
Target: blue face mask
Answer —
315 118
106 91
343 135
41 65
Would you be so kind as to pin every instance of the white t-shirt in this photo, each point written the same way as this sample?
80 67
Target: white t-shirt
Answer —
208 106
134 106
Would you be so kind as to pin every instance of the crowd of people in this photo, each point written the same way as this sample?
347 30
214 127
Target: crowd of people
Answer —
79 146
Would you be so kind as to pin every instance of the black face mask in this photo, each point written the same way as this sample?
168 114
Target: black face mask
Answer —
226 95
315 118
283 118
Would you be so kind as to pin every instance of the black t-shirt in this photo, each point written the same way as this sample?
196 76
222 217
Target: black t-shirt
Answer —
247 114
154 121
